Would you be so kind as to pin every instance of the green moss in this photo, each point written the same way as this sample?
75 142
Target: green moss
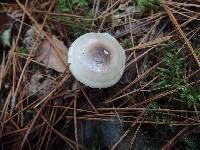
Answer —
67 5
171 72
22 50
158 117
190 143
191 95
63 6
80 2
127 43
146 4
171 75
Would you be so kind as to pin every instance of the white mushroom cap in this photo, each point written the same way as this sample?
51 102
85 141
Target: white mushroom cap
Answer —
97 60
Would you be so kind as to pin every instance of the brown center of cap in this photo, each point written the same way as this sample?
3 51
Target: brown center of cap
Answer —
100 55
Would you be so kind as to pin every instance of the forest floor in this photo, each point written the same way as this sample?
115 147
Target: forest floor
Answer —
156 103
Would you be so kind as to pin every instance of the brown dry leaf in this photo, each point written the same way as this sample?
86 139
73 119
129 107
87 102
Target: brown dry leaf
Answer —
53 56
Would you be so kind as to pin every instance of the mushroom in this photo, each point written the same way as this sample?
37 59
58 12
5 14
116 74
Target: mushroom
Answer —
97 60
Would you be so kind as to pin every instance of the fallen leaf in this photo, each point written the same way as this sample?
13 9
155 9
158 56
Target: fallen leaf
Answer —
53 56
